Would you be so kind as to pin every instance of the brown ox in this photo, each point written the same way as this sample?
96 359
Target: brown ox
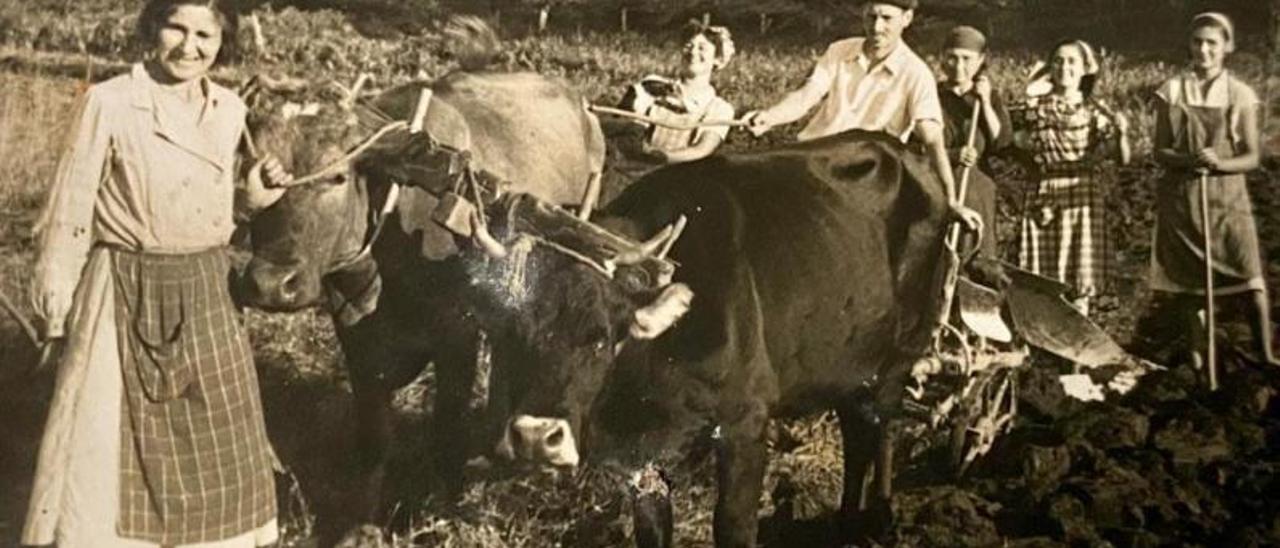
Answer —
400 306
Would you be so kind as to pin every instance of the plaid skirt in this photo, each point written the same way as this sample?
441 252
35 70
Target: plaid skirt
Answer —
1063 232
195 463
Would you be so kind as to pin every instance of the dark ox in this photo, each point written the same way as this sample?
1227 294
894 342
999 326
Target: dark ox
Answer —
813 270
403 305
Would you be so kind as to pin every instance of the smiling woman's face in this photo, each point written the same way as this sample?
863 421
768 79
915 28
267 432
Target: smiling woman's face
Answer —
698 56
1209 48
188 41
1068 67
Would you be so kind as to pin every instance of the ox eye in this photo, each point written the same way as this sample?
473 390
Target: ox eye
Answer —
339 179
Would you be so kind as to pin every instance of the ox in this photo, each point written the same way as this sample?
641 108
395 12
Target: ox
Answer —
401 304
814 274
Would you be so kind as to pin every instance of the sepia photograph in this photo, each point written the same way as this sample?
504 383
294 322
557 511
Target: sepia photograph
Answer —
639 273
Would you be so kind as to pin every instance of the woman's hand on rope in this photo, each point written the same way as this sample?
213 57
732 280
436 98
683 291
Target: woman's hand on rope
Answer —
265 184
968 156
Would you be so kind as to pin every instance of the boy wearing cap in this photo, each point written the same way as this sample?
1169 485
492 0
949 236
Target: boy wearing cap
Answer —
874 83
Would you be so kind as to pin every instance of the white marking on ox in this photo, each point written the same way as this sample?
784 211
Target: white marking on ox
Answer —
655 319
538 439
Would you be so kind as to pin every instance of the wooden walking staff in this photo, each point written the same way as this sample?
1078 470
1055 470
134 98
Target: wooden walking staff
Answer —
1211 352
954 237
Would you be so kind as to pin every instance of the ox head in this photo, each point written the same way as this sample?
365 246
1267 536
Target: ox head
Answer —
560 339
300 239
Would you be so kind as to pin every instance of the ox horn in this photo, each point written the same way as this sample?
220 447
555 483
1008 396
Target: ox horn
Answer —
676 231
483 238
353 92
657 246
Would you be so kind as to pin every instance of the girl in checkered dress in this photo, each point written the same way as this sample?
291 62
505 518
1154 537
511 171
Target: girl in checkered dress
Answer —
1067 135
155 435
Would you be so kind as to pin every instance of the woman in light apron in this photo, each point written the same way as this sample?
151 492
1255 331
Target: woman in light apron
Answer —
155 435
1207 131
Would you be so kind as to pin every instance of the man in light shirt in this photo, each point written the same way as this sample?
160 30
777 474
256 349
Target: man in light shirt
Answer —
874 83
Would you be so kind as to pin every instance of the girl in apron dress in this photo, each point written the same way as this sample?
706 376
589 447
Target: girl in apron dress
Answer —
1209 125
155 434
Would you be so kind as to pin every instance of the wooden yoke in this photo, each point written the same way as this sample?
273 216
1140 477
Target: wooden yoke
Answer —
556 227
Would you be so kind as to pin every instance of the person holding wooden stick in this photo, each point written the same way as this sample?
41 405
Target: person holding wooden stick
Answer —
873 83
963 91
690 98
1207 134
155 435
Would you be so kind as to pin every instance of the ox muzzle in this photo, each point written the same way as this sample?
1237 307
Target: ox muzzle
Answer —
539 440
280 287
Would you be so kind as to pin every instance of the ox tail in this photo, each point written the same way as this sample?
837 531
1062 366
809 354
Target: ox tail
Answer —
472 42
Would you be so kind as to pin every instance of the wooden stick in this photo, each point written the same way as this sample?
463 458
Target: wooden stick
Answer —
672 125
23 322
1211 361
953 237
953 234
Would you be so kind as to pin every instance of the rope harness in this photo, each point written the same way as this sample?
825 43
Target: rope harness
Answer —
680 126
481 189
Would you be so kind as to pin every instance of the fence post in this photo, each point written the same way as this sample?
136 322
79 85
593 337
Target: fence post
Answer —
1271 81
259 41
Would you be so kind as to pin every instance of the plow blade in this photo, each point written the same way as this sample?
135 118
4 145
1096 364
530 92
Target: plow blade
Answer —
980 310
1043 317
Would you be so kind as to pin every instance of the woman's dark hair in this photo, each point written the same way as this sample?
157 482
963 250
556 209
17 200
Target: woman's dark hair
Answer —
717 35
157 12
1090 79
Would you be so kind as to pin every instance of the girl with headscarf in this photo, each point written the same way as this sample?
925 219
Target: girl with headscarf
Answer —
155 435
1208 125
1067 134
965 85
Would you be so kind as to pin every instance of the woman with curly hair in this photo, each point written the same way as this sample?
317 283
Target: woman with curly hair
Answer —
689 98
1067 134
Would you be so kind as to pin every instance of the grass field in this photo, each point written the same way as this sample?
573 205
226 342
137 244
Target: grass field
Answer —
307 401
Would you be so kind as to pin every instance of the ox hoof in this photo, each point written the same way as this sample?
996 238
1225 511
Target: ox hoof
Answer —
651 513
364 536
871 524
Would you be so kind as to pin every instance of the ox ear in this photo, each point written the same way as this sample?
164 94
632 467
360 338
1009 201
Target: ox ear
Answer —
654 320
